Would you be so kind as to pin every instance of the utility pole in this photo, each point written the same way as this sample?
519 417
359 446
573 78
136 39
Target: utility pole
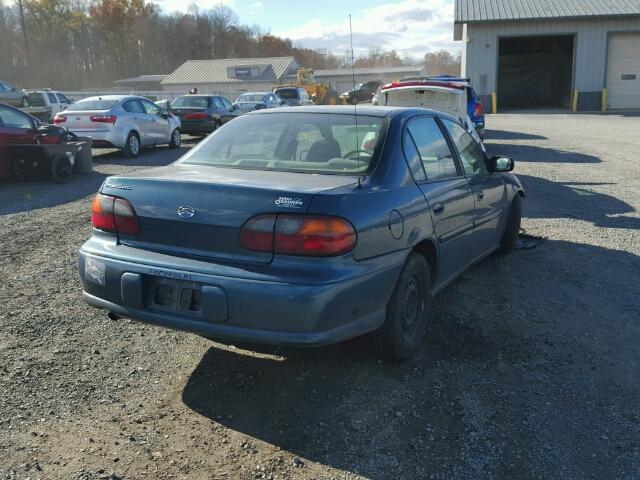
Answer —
23 27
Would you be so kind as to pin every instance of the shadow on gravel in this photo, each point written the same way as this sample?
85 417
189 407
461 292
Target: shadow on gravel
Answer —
576 200
500 383
17 197
535 154
508 135
149 157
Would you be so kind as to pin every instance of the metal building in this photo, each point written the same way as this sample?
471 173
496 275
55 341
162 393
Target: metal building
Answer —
582 55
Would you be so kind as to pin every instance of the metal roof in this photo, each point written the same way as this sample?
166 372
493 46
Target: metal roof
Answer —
194 72
335 72
468 11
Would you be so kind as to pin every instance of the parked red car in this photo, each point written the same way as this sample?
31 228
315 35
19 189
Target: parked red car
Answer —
19 128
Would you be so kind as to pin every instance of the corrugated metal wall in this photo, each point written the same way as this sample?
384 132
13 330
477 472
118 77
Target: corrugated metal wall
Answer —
590 49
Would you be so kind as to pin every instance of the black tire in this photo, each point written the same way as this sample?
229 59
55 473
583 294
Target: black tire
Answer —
24 103
509 238
20 170
407 311
176 139
132 147
61 168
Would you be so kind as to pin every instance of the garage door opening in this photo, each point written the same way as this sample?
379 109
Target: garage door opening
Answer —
535 71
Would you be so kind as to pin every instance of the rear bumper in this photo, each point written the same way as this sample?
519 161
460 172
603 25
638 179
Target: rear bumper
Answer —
189 127
262 309
103 138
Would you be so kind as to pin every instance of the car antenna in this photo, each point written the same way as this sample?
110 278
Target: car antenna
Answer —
355 110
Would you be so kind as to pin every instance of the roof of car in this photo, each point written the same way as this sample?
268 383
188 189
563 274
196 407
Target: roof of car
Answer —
366 110
111 97
255 93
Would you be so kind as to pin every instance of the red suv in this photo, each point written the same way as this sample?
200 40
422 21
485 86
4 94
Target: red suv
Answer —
18 127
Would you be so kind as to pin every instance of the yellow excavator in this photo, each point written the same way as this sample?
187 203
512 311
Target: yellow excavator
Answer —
320 93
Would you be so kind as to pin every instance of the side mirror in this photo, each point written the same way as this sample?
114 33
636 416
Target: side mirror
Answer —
500 164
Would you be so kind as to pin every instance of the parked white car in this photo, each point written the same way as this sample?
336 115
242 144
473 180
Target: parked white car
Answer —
54 102
447 97
127 122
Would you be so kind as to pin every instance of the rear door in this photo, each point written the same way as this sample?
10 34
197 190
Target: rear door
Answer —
15 128
488 189
446 190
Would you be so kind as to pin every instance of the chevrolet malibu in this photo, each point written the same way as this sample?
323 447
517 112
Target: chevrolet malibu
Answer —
302 226
127 122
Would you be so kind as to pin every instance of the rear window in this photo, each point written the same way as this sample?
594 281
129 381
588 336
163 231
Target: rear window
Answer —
295 142
36 99
287 93
191 102
95 104
250 97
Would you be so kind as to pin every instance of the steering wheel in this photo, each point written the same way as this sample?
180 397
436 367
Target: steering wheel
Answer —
358 151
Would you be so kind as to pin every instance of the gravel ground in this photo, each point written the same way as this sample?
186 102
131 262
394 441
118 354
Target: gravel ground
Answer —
529 369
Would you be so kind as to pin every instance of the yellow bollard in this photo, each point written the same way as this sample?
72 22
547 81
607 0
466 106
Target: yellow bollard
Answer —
494 102
574 103
604 99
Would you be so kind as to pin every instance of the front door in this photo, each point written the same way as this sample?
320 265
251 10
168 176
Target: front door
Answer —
160 129
488 190
446 190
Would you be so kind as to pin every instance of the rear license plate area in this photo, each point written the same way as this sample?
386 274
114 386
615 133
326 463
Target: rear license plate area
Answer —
175 296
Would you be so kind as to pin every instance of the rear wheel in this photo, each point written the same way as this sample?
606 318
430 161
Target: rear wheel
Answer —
20 170
132 146
61 168
176 139
407 311
509 238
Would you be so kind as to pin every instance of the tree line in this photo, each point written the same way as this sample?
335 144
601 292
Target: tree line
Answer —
75 44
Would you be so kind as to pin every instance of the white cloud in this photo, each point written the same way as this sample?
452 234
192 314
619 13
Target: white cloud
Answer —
411 27
184 5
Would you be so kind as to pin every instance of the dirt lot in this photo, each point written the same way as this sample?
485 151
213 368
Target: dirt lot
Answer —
530 368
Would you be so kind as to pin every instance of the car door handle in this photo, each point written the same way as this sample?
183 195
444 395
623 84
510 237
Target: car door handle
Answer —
438 208
480 195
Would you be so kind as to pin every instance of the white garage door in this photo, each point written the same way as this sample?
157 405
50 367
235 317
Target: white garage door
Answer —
623 71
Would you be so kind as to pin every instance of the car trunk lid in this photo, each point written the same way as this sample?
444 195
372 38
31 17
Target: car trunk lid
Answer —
199 211
81 120
451 100
183 112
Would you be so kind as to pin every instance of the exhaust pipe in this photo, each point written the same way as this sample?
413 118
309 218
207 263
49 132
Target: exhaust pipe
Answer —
113 316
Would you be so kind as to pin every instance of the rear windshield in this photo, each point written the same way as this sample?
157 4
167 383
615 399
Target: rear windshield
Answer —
287 93
198 102
95 104
250 97
295 142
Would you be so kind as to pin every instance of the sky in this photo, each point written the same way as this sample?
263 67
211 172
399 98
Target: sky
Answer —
411 27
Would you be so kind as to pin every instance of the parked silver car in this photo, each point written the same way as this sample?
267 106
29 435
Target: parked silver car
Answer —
128 122
11 95
247 102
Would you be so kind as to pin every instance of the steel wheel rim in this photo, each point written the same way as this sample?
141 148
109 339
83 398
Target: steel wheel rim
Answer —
176 138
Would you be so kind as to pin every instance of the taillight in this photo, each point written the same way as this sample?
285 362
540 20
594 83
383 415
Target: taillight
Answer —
257 233
479 110
103 118
196 116
308 235
59 119
114 214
